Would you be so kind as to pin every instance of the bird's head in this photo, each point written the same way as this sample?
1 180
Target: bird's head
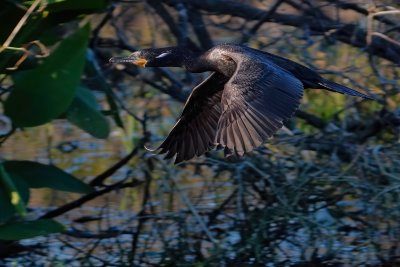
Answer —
156 57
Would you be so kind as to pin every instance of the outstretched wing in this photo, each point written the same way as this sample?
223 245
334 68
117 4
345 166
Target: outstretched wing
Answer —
194 132
310 78
256 102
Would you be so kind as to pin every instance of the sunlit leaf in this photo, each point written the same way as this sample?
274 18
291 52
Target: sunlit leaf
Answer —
14 195
44 93
37 175
84 113
29 229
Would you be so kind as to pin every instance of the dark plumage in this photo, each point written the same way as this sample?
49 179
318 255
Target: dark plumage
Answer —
249 95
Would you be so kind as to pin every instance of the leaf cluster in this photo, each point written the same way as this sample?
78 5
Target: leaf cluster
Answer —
44 57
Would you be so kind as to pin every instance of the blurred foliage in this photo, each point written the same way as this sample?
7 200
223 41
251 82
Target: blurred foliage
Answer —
47 90
29 229
323 192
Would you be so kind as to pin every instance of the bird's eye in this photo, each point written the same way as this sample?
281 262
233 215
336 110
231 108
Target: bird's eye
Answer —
162 55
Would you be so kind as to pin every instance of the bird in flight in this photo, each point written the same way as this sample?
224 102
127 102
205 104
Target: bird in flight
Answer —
248 96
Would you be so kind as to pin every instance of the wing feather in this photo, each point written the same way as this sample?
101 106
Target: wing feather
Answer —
194 132
255 104
237 113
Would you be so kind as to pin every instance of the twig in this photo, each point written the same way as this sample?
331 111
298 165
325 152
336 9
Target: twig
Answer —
98 181
82 200
192 209
203 36
19 25
282 200
142 218
100 26
382 169
370 24
214 214
169 20
182 24
266 17
359 9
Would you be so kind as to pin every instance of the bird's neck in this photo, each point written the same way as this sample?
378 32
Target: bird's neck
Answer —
197 63
210 61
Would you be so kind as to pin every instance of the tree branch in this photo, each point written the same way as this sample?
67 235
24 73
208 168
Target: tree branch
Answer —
82 200
347 33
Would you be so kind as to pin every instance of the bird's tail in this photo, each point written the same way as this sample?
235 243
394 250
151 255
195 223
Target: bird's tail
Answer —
335 87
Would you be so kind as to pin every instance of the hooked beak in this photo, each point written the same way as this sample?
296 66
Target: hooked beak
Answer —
138 61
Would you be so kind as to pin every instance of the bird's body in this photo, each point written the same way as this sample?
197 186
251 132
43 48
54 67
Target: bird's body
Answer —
249 95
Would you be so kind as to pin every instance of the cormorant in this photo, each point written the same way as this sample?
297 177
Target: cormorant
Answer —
249 95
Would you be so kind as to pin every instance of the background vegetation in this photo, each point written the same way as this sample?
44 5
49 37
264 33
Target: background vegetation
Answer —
323 192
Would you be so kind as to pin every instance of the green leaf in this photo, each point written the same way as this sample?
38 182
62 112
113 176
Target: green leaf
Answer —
44 93
11 13
37 175
14 196
84 114
76 5
29 229
9 209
